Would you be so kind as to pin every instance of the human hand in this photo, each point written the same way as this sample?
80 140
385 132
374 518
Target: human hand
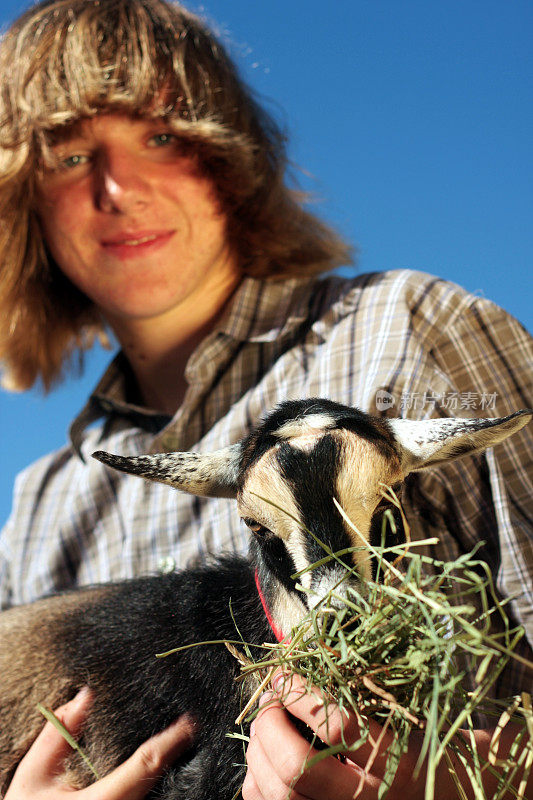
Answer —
277 753
38 774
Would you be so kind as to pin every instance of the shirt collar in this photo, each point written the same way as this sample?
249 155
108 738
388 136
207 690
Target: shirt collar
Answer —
110 395
260 311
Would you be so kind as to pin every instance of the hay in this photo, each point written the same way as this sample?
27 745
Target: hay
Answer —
399 653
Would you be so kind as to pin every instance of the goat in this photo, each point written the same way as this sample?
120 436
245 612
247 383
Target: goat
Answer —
303 455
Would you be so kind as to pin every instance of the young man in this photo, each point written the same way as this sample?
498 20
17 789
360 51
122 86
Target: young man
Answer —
143 190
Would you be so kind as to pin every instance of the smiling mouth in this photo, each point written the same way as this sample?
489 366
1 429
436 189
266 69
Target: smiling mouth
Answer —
136 243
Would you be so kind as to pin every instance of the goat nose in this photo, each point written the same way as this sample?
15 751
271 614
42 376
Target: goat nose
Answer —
331 586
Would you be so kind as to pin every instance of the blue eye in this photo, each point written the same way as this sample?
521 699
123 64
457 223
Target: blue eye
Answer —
73 161
163 139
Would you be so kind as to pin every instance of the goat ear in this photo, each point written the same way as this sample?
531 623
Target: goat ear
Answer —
426 443
210 475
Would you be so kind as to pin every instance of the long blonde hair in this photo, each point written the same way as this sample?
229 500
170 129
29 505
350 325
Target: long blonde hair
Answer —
64 60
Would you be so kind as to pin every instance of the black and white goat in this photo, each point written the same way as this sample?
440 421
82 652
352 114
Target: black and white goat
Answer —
302 456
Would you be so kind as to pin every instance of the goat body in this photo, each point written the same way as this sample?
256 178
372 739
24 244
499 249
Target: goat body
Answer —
303 454
107 638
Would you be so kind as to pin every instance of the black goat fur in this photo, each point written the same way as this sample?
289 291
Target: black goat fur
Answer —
111 645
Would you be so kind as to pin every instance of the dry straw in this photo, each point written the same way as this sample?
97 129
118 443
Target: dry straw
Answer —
399 652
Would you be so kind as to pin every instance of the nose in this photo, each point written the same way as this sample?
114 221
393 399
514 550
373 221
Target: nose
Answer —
120 186
334 579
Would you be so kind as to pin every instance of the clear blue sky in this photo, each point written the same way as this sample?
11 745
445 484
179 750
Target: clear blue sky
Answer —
413 121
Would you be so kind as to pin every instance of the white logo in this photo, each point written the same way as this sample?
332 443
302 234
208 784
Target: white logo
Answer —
384 400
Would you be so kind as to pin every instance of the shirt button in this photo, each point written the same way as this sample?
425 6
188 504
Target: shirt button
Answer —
166 565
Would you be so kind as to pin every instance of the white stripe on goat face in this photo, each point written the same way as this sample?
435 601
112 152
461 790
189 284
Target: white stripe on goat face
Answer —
304 432
278 511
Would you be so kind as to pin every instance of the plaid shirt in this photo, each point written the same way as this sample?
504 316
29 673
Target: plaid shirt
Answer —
402 343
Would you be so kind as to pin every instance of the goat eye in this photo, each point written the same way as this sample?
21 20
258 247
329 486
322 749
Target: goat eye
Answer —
255 527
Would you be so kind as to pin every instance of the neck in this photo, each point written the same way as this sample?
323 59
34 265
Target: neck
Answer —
278 633
158 349
283 608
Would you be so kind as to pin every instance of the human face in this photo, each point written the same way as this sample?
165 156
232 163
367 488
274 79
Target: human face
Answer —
132 223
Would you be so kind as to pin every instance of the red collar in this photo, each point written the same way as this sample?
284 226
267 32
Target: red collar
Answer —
278 633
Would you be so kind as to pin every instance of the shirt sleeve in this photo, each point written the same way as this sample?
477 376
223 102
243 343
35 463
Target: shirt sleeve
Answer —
489 353
487 358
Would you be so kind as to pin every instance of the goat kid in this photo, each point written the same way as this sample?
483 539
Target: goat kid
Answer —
302 456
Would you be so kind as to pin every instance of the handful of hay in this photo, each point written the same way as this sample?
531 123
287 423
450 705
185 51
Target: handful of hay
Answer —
399 654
